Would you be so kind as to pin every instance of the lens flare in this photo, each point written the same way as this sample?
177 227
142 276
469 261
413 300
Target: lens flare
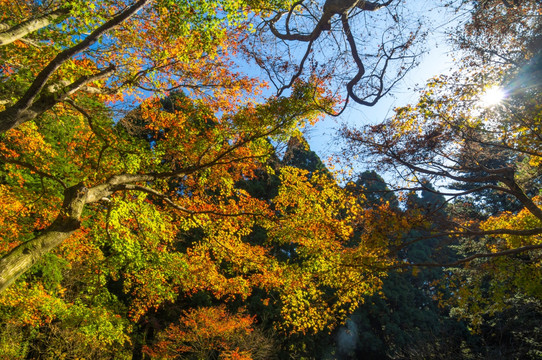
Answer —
492 96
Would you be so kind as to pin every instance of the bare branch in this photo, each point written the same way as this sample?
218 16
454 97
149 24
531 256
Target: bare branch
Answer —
299 71
33 169
323 24
174 205
372 6
471 258
342 8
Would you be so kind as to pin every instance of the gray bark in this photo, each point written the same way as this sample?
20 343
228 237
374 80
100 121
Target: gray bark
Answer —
9 35
23 257
15 115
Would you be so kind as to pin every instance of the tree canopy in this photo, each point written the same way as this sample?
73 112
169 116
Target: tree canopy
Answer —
148 211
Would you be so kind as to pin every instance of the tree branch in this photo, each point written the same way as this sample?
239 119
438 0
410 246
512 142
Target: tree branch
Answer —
14 116
470 258
26 27
372 6
24 256
34 169
174 205
17 114
299 71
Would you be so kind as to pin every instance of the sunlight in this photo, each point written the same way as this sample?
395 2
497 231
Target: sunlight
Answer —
492 96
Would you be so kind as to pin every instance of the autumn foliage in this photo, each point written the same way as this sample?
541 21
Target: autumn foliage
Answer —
127 136
146 209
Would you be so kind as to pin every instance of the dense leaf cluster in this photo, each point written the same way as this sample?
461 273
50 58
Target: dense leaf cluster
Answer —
147 213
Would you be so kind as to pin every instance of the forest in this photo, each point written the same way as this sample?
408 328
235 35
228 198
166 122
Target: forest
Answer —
159 197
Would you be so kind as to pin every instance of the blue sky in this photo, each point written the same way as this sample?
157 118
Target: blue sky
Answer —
435 61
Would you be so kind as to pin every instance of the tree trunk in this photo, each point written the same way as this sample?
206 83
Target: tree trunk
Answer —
24 256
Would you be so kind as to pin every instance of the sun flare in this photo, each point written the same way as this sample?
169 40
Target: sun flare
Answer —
492 96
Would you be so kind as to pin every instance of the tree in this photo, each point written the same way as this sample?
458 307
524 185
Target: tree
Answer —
136 201
490 149
485 160
121 49
134 220
224 334
299 155
115 211
405 316
375 190
72 65
363 69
